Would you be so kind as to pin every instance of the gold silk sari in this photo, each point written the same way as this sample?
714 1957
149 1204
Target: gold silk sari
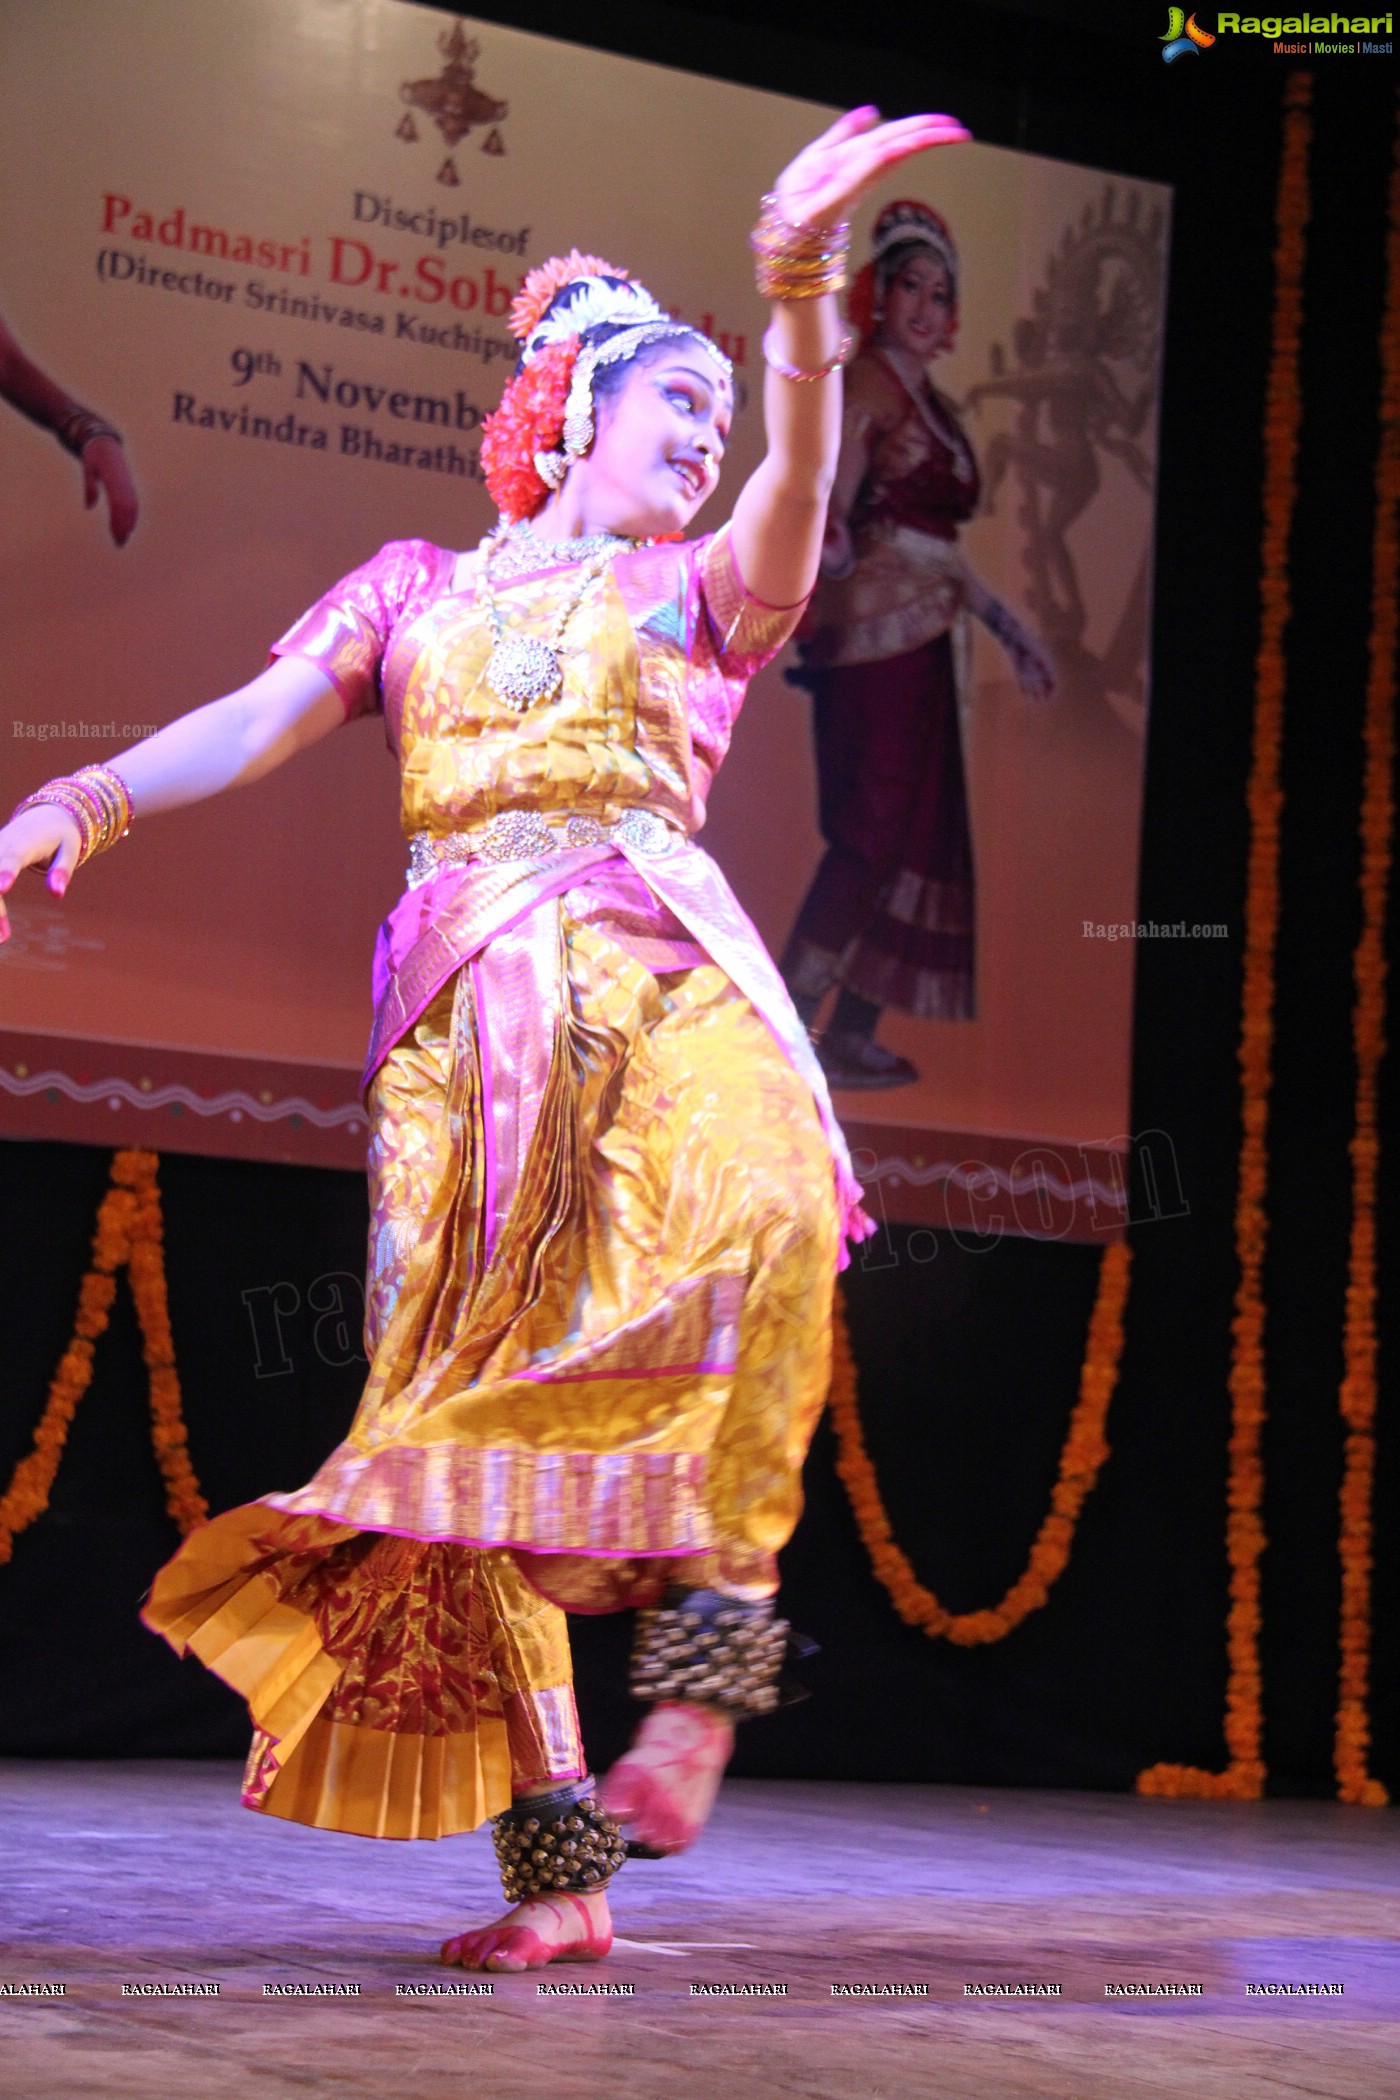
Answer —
607 1197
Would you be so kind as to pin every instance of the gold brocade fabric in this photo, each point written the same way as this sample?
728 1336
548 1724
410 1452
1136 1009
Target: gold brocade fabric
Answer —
639 1371
398 1687
603 1242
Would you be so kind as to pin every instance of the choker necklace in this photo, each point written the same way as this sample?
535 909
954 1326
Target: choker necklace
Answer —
514 550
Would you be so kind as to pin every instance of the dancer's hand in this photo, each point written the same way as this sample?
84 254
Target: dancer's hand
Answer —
829 177
105 470
46 833
1034 672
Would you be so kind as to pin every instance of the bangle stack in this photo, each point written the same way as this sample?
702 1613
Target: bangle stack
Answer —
96 798
79 427
797 262
786 371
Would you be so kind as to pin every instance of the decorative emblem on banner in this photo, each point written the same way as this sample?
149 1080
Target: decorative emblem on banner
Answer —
454 102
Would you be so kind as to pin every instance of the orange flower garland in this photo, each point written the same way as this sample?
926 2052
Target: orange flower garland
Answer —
1080 1461
530 416
1243 1777
530 419
129 1231
1358 1390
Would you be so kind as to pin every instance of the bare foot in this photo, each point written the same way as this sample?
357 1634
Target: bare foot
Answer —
664 1786
539 1930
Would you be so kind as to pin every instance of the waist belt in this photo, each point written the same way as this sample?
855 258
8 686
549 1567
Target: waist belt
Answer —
530 834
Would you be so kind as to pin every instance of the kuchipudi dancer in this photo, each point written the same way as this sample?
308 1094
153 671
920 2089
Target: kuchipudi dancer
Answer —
607 1191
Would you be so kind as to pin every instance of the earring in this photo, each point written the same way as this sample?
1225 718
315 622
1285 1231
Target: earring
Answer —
578 409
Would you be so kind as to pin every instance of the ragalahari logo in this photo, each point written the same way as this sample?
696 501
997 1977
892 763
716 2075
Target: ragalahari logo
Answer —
1183 35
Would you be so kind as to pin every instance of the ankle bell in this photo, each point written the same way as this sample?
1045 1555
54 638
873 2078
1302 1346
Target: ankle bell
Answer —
557 1843
706 1649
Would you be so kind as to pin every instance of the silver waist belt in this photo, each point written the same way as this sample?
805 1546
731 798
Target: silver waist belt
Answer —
528 834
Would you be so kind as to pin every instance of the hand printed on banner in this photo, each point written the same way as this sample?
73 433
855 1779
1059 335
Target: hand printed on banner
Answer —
1084 381
454 101
95 445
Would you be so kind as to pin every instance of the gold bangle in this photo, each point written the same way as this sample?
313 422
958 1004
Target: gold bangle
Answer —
79 427
97 799
797 262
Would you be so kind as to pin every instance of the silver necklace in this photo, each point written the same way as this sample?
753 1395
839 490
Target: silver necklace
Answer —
524 669
514 550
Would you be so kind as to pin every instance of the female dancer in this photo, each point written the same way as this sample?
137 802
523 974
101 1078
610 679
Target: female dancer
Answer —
607 1190
889 915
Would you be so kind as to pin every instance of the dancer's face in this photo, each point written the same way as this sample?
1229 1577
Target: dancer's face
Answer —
659 443
919 309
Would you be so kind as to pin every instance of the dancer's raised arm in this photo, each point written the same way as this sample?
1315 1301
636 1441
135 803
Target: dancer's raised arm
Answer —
800 243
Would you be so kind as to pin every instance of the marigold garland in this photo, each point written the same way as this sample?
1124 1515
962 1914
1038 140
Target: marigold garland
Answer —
1081 1459
1358 1389
128 1231
1244 1775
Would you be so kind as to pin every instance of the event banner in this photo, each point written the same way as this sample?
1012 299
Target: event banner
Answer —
275 245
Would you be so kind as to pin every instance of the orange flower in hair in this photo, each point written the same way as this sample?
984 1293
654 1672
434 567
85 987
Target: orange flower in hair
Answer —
531 301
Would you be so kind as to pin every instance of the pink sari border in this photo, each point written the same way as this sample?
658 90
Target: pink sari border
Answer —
488 1108
585 1502
706 1368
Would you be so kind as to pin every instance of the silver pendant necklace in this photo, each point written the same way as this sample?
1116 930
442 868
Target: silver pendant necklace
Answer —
525 669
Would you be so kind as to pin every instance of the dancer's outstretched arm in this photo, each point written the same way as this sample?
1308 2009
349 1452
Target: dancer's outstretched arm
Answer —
780 516
223 745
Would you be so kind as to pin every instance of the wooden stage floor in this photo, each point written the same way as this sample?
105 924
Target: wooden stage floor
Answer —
121 1875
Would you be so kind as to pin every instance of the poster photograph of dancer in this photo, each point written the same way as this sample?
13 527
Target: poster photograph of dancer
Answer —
296 316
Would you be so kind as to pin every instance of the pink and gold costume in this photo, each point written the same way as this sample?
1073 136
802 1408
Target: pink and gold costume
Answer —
607 1198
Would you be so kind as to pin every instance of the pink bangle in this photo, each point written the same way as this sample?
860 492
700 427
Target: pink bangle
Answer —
787 371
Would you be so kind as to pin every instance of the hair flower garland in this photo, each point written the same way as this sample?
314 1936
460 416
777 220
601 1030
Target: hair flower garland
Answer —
530 419
530 303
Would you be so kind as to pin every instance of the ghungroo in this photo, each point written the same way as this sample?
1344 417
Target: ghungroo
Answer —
557 1841
710 1650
